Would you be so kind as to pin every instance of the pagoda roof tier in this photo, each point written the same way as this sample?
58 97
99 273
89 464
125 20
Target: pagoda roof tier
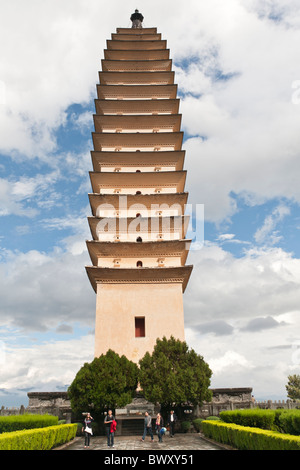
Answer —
137 31
159 223
121 54
135 45
100 249
159 179
138 159
137 36
169 106
137 123
147 141
136 65
138 201
136 78
138 92
159 275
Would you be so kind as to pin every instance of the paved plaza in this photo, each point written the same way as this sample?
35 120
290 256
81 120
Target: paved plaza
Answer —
180 442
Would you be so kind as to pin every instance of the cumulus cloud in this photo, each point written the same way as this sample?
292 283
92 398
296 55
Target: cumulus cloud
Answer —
40 291
63 359
26 196
267 231
262 323
242 315
219 328
261 283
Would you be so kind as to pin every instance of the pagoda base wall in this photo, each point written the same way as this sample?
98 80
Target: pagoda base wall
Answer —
161 305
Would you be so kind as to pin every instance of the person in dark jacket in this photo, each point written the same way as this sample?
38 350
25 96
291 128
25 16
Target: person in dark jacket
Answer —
137 19
87 429
172 418
109 418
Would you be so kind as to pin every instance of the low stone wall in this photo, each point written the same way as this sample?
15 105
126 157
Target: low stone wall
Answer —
225 399
53 403
58 404
12 411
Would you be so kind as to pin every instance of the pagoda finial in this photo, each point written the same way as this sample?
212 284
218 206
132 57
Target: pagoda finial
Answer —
137 19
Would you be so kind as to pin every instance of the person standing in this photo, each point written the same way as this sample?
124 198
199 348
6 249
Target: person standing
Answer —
109 418
87 429
137 19
158 426
147 426
171 422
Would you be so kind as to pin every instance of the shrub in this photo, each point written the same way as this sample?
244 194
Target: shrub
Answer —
38 439
27 421
197 424
256 418
186 426
249 438
289 422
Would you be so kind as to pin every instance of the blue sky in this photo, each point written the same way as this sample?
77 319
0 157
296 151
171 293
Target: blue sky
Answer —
238 73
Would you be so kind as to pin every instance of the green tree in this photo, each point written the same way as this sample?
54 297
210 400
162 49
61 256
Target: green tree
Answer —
174 375
108 382
293 387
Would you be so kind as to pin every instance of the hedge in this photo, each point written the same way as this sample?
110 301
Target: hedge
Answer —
249 438
289 422
38 439
256 418
197 422
27 421
286 421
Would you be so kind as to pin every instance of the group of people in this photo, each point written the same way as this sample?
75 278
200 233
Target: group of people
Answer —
111 426
159 425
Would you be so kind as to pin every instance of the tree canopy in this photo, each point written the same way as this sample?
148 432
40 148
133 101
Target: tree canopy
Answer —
293 387
109 381
173 375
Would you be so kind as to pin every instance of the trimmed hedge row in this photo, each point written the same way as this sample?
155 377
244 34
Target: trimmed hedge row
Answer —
256 418
27 421
249 438
289 422
38 439
286 421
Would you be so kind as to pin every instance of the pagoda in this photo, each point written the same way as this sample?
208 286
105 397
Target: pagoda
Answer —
138 225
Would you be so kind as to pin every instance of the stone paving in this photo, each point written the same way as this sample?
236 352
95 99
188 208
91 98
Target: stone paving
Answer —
180 442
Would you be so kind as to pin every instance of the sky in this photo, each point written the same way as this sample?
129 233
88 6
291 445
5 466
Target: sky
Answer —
237 68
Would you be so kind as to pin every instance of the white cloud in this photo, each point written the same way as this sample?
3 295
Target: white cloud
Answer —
261 283
47 366
20 197
267 231
229 360
51 289
242 315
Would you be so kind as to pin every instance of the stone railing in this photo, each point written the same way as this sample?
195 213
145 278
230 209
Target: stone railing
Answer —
277 404
12 411
53 403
